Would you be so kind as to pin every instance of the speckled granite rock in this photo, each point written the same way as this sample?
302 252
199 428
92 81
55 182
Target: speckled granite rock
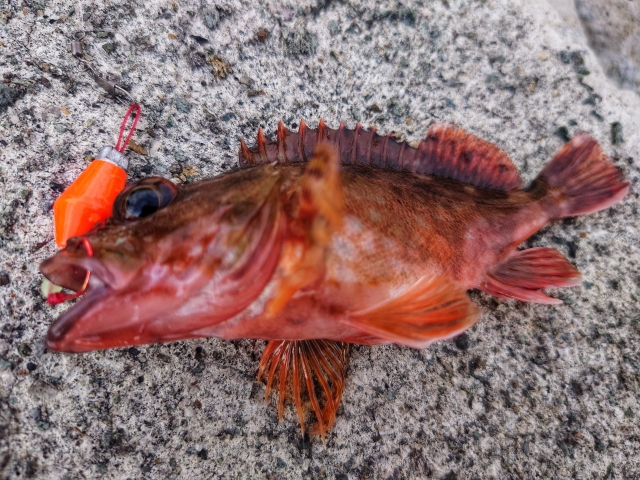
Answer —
531 391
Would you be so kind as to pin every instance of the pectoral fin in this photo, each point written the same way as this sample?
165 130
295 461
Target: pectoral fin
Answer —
322 196
524 274
433 308
293 367
319 216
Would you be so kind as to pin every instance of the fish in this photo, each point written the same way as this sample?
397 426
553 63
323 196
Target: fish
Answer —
320 239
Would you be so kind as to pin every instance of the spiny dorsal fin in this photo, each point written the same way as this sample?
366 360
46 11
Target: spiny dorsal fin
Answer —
447 151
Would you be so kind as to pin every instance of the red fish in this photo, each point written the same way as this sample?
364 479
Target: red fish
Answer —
321 239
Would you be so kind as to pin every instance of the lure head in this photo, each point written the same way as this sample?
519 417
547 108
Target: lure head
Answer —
170 262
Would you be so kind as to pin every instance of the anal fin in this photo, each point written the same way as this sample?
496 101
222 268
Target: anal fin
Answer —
294 367
524 274
434 308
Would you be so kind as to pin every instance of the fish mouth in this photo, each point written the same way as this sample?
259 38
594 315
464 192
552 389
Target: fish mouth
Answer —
117 307
76 269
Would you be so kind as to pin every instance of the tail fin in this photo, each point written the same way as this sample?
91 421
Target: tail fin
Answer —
583 178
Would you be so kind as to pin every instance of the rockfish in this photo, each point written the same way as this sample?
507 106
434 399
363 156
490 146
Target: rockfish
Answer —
324 238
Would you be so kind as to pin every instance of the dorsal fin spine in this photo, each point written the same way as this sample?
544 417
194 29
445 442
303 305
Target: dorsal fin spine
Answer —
423 149
262 146
281 139
302 130
370 146
353 148
246 154
401 156
339 138
320 134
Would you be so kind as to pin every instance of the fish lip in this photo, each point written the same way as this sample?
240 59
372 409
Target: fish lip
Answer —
58 338
52 267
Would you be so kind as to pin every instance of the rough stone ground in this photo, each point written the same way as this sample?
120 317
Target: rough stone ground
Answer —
531 391
613 30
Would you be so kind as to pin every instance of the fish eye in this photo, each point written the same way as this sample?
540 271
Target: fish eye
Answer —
142 202
144 198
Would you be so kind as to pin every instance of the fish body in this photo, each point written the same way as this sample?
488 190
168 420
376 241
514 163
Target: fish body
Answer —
397 228
323 238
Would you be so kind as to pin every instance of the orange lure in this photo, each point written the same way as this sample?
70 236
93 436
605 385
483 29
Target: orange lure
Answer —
89 199
324 238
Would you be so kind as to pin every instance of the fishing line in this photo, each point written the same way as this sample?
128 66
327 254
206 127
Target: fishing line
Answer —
134 107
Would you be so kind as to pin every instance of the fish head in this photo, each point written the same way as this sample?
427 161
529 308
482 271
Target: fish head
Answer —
169 261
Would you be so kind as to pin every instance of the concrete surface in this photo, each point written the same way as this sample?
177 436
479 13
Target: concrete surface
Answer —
531 391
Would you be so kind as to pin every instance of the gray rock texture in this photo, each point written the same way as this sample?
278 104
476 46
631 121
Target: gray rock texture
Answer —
613 29
531 391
